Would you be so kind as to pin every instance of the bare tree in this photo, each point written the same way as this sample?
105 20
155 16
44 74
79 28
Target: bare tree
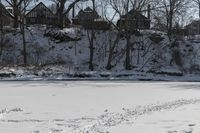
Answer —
171 10
2 37
60 4
197 2
19 13
16 6
122 8
112 47
91 38
23 17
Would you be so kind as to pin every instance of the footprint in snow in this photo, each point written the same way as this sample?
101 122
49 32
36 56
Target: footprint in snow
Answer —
192 125
187 131
106 110
56 130
37 131
172 132
53 95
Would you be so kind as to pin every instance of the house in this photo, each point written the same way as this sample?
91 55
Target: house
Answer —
193 28
41 14
90 19
6 18
85 16
135 20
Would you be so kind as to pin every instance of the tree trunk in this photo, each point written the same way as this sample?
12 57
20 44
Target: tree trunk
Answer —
91 66
128 63
61 15
111 50
199 10
128 36
1 42
170 24
24 45
24 36
16 16
109 66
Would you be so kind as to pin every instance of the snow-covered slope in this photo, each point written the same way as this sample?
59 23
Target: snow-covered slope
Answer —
49 50
69 48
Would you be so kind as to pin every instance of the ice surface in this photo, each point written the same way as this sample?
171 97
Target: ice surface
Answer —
99 106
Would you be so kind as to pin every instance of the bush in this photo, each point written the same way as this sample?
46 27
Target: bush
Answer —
194 68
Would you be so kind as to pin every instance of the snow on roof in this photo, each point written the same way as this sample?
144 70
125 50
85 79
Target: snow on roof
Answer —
37 4
8 7
9 13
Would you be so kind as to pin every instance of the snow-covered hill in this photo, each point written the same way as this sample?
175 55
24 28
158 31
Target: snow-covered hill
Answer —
151 52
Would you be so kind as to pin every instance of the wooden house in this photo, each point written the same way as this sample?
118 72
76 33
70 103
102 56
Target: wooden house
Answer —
6 18
85 16
135 20
193 28
90 19
41 14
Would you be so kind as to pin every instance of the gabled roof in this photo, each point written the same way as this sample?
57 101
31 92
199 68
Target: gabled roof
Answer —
9 14
195 22
40 4
87 12
135 14
88 9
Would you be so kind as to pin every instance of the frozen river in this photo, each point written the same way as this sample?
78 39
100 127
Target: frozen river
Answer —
99 107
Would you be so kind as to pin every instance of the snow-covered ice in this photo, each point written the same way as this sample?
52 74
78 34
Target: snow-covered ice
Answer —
99 107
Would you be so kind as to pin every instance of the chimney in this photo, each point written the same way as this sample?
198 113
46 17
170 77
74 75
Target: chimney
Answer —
149 11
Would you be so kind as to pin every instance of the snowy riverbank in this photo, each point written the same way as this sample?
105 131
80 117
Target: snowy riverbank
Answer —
62 72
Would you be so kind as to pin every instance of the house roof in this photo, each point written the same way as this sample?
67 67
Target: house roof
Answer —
135 15
40 4
87 12
6 11
195 22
